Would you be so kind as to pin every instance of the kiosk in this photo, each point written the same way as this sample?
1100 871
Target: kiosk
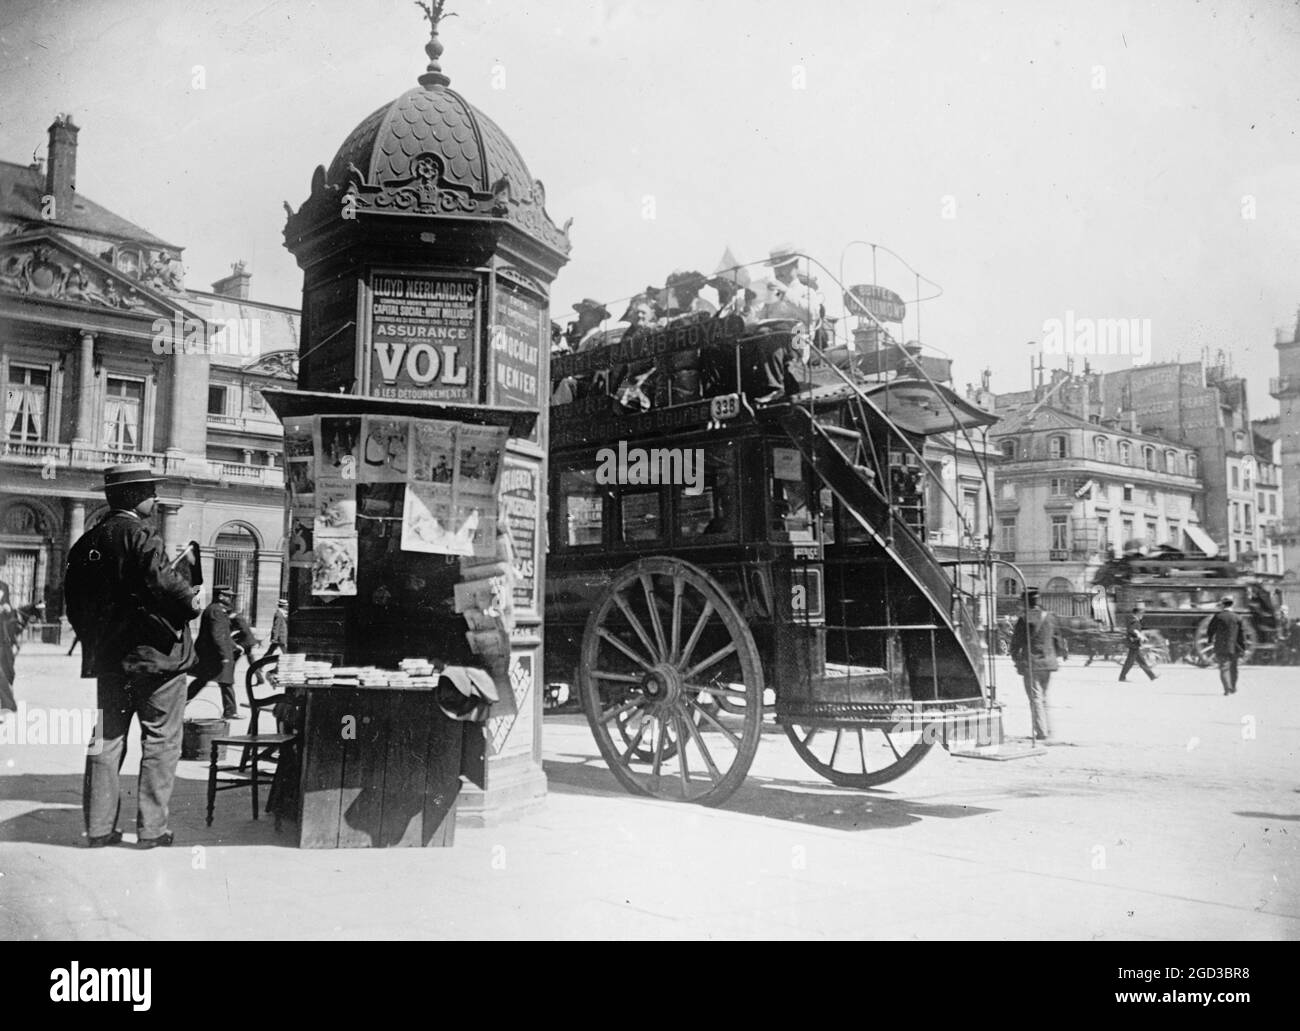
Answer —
415 449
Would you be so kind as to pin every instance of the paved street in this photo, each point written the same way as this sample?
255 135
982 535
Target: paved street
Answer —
1167 812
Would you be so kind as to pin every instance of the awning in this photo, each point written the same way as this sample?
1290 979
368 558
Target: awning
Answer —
919 406
1201 539
293 403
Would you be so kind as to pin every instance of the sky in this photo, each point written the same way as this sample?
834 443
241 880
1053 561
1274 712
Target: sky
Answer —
1037 160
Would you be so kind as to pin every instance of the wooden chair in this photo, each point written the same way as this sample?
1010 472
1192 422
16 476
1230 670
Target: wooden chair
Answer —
231 776
266 665
254 748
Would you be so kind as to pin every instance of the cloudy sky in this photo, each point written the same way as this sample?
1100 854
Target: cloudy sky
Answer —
1114 160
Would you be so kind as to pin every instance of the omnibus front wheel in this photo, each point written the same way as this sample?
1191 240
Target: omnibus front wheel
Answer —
662 634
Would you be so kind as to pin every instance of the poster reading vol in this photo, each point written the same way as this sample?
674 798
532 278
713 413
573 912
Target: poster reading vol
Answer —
424 334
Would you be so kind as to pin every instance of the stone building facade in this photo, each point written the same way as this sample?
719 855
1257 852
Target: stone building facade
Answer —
107 357
1071 492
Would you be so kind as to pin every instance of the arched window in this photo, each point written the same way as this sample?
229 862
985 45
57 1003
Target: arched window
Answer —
1009 586
1056 447
234 563
1009 450
1125 453
1101 449
1057 585
1193 465
1149 458
1171 461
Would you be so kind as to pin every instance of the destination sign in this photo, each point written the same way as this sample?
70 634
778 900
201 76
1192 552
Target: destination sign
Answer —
568 431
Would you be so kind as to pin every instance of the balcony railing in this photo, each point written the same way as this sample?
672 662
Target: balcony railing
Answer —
263 475
33 452
78 456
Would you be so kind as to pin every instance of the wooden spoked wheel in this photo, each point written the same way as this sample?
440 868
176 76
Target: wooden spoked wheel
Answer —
1204 650
662 634
858 757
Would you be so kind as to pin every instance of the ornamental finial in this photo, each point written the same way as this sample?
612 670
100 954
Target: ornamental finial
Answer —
435 13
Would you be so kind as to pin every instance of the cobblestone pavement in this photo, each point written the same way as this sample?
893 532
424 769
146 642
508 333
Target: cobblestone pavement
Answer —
1167 811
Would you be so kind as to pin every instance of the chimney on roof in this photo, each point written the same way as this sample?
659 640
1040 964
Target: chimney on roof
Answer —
236 284
61 168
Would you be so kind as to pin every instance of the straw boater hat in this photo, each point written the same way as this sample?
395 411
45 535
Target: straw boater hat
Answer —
129 473
588 304
783 255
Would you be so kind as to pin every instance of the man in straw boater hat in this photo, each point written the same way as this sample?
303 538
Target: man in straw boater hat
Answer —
591 313
792 294
131 611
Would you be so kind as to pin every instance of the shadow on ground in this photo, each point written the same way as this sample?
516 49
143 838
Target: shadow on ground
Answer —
777 799
51 815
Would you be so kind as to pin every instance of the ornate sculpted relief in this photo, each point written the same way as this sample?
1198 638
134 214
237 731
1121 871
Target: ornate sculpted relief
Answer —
41 271
281 364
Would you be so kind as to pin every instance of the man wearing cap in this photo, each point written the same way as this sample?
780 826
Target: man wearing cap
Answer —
1034 650
221 630
131 611
1228 637
1133 637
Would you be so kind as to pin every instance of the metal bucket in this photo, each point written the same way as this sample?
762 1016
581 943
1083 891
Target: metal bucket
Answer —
197 735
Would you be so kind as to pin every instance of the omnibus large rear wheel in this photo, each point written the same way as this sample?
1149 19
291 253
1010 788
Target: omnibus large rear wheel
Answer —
662 633
858 757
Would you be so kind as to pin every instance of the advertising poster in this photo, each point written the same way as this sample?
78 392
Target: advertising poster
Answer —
385 450
520 330
300 474
474 489
513 734
334 567
340 437
336 508
520 501
427 523
433 455
424 333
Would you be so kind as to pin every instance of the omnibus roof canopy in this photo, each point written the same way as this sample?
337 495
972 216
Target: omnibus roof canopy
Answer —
916 405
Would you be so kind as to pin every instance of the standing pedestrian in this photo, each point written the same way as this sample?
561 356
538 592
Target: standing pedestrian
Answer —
280 627
1133 637
222 631
131 612
1228 637
1034 649
13 619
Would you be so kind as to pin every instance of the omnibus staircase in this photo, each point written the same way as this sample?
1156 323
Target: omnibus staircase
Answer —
957 668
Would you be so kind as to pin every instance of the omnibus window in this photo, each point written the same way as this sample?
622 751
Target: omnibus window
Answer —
827 498
582 508
641 517
712 512
792 518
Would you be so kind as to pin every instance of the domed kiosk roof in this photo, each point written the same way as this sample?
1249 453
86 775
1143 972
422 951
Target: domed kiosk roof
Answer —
430 152
475 152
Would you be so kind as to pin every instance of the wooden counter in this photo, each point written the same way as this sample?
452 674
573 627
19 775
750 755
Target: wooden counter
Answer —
381 767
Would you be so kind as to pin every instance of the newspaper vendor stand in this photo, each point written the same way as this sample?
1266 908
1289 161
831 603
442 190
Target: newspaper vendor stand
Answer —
793 569
427 256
